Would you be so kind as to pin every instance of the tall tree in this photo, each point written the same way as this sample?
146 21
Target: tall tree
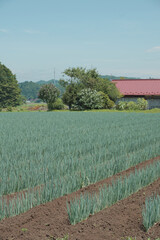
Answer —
81 78
81 75
9 89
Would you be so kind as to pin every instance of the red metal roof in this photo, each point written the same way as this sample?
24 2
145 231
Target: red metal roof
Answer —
138 86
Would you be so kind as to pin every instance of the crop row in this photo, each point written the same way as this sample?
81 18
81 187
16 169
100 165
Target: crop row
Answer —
81 207
151 211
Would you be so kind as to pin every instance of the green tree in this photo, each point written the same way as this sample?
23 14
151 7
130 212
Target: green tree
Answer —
30 89
109 88
49 93
70 95
81 78
87 78
91 79
9 89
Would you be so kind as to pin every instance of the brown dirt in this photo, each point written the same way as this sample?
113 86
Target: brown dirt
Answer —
50 221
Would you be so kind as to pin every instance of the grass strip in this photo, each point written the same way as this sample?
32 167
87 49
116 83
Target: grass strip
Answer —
81 207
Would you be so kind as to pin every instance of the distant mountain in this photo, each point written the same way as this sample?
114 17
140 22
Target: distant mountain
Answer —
42 82
30 89
111 77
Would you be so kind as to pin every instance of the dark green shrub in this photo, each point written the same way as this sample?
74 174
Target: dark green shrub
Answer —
58 104
107 102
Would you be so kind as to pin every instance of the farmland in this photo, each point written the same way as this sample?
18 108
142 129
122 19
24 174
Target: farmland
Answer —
53 154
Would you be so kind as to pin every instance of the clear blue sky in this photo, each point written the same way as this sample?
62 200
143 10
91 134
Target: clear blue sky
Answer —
119 37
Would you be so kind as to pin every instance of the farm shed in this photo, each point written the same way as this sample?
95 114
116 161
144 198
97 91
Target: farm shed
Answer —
132 89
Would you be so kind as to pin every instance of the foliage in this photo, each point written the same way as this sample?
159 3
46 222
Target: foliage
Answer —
151 211
69 150
80 75
124 105
109 88
81 78
9 90
58 104
131 105
49 93
141 104
121 105
70 95
80 208
107 102
30 89
88 99
9 109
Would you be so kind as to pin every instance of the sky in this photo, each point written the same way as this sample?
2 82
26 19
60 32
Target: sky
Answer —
39 39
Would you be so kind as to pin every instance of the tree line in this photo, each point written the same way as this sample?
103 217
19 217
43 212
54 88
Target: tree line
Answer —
82 89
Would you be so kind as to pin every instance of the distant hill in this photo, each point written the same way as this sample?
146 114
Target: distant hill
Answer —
30 89
111 77
42 82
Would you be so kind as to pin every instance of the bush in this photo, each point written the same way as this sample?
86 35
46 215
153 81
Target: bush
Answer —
88 99
58 104
107 102
142 104
9 109
121 105
131 105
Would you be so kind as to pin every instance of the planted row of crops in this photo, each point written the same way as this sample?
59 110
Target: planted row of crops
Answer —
80 208
65 151
151 211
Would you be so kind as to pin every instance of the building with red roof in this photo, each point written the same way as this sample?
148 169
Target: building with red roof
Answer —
132 89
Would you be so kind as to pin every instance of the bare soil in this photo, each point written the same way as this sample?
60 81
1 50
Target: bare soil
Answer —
50 220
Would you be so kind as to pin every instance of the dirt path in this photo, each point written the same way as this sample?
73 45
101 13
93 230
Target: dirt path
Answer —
50 221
